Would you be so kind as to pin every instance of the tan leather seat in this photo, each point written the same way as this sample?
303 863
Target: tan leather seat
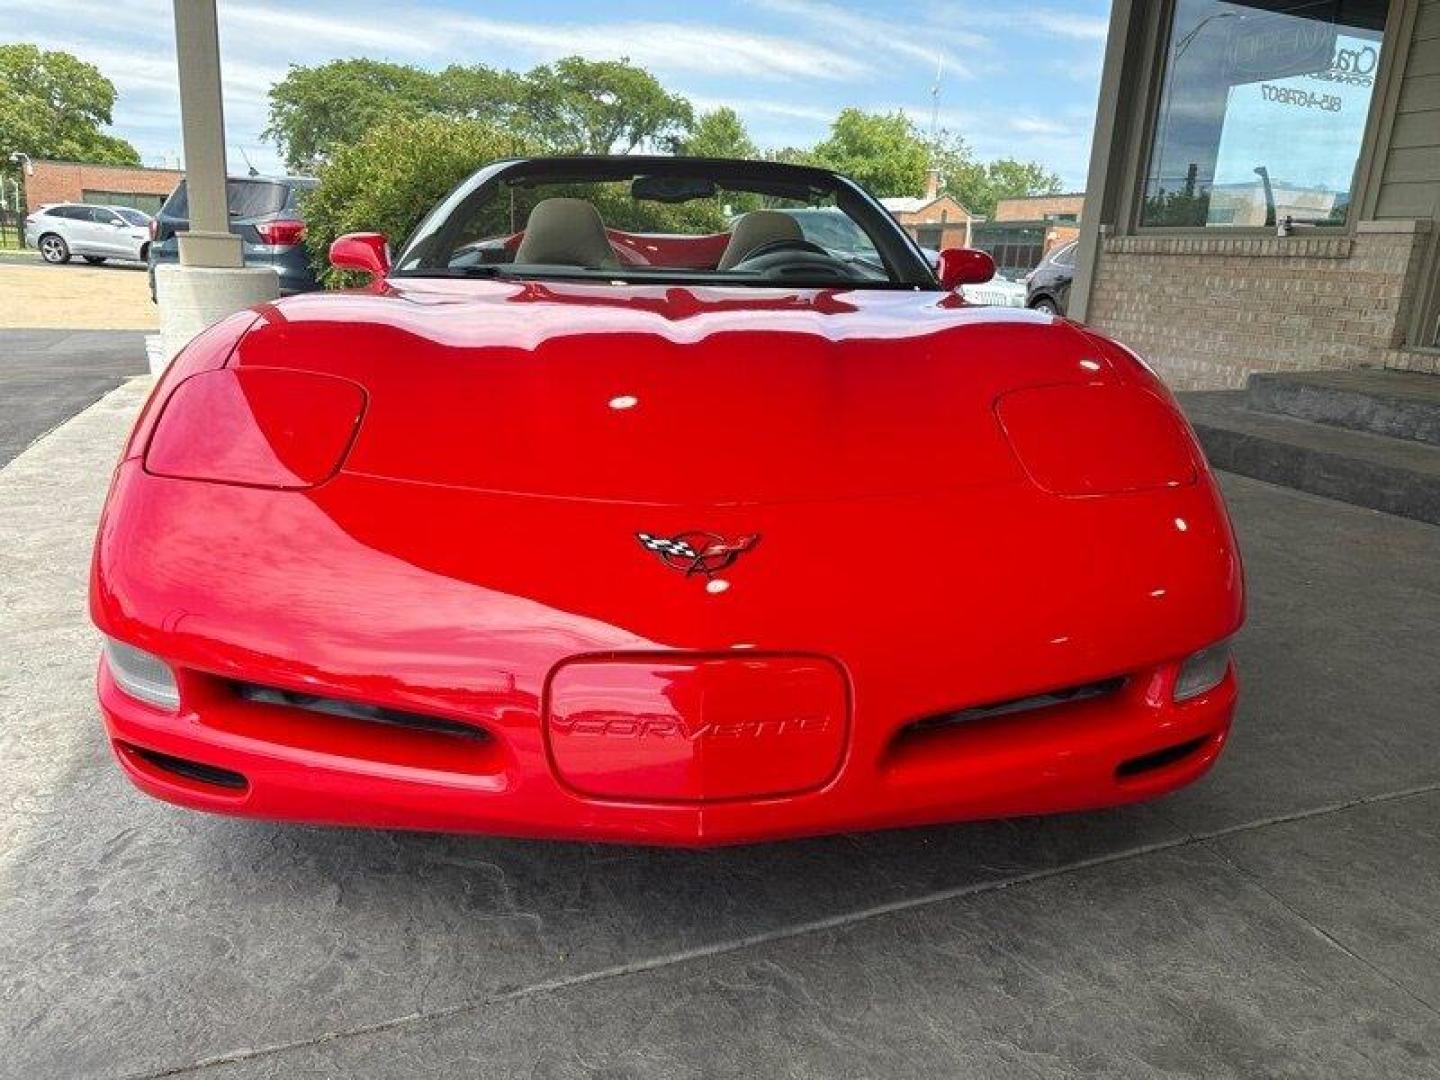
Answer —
565 232
755 229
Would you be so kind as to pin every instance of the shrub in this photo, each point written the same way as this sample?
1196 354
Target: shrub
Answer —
393 177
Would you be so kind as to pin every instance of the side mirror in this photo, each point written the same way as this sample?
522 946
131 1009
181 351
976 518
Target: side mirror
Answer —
367 252
965 266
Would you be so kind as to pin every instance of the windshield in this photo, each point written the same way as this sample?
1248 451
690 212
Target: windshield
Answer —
676 222
134 217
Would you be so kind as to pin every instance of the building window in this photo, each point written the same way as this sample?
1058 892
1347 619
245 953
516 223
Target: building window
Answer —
1262 112
1016 247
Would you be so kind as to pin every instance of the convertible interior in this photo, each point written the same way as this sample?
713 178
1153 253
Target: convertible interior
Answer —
665 220
568 232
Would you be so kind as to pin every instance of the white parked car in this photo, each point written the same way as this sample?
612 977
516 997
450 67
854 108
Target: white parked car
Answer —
997 292
95 233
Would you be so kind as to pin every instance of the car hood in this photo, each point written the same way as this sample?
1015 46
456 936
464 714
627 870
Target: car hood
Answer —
674 395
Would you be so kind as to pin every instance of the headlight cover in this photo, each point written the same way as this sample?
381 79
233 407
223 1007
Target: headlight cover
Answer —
1202 671
142 675
259 427
1090 439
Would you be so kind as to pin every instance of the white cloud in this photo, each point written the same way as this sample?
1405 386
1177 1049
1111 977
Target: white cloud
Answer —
1012 18
337 32
1035 125
895 35
1070 25
665 46
762 106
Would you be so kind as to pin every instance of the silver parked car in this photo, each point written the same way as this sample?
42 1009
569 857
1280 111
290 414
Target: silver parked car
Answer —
95 233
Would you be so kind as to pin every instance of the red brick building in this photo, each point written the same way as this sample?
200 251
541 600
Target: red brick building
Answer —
934 220
1027 228
111 185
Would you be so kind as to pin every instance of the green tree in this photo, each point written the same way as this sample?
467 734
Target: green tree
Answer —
978 185
315 110
882 151
571 106
53 105
394 175
721 134
601 107
790 155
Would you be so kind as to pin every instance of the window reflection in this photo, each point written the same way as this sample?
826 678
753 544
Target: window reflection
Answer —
1262 111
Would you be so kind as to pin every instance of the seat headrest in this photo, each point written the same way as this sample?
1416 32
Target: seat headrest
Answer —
754 229
565 232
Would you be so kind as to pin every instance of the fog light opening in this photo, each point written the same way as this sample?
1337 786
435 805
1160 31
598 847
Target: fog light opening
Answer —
194 771
142 675
1202 671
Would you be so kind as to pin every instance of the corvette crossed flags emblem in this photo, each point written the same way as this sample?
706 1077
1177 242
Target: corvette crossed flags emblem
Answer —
697 552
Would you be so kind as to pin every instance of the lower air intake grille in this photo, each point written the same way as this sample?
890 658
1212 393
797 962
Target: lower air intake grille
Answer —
1067 696
375 714
1158 760
197 771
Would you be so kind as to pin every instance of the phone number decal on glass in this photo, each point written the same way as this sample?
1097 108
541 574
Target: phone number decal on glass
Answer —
1303 99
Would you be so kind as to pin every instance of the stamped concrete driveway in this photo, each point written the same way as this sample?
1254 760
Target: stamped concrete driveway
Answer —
1280 919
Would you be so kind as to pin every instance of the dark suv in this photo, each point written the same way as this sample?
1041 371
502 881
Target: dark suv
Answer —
1047 287
265 212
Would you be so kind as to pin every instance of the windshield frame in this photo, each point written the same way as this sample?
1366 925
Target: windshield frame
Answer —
908 266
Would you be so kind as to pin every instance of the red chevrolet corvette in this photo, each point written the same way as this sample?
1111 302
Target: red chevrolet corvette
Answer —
634 503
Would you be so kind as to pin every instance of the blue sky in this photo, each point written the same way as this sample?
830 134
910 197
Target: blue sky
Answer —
1017 76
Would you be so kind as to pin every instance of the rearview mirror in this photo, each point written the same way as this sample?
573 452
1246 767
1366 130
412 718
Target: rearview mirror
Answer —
965 266
672 189
367 252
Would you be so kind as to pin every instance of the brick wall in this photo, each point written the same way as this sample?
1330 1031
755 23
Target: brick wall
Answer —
1037 207
1207 311
64 181
952 227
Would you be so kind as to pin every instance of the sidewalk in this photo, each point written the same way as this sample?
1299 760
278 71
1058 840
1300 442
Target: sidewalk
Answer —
1279 919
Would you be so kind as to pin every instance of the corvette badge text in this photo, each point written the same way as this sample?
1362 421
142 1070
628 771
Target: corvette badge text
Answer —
670 727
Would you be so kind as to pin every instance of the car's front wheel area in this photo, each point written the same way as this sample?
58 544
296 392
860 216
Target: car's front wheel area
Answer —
54 249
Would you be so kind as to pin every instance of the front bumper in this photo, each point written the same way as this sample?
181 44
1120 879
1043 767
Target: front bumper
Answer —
1129 746
343 592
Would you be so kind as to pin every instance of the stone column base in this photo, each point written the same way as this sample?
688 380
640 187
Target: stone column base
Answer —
193 297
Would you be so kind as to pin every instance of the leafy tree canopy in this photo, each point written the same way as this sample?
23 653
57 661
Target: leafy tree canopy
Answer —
314 110
53 105
602 106
395 174
978 185
571 106
720 133
881 151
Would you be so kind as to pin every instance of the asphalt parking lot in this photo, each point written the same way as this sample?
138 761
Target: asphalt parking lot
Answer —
47 376
1279 919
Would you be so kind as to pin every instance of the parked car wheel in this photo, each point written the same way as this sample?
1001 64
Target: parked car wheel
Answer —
1045 304
94 260
53 249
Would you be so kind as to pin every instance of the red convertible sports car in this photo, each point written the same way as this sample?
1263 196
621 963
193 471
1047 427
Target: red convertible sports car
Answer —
615 508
